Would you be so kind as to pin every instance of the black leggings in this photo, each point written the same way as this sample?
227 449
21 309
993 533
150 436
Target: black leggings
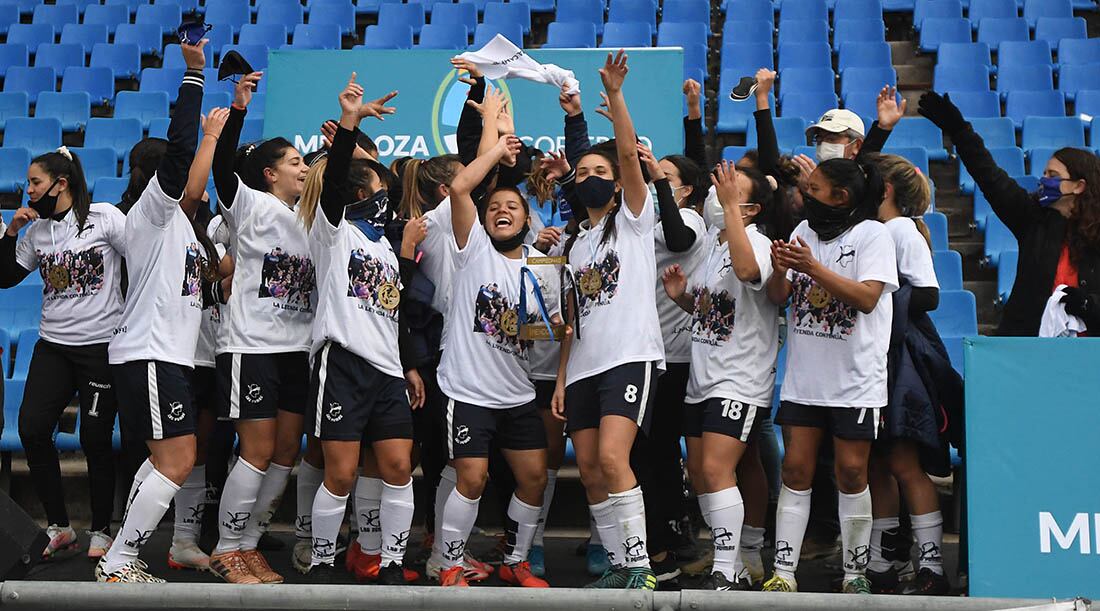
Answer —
428 436
56 373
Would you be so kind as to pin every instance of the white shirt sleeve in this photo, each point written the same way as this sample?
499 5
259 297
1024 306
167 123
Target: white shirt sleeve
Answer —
762 252
116 229
244 203
25 254
155 205
915 258
877 259
642 224
476 242
322 230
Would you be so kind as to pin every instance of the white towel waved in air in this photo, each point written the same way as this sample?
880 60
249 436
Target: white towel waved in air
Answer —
502 59
1056 322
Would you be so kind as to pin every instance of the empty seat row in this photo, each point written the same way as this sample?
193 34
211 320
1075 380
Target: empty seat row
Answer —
1017 77
993 31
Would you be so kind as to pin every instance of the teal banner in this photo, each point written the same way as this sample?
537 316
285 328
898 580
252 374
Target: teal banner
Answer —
302 88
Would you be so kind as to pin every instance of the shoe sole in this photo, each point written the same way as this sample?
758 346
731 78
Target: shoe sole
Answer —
668 575
61 552
179 566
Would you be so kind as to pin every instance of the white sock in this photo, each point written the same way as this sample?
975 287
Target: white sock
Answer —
397 516
879 526
328 516
547 497
448 479
459 515
752 540
268 498
704 507
855 531
928 531
152 500
630 513
727 515
791 518
368 503
522 523
190 504
593 532
235 510
309 480
143 471
603 514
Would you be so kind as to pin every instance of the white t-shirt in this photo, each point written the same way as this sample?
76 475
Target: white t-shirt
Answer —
81 298
485 362
437 248
618 311
735 331
545 355
358 293
163 309
675 322
211 327
836 355
913 254
271 306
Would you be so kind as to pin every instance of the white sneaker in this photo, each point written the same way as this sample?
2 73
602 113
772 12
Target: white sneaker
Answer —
131 572
62 539
185 554
302 556
98 544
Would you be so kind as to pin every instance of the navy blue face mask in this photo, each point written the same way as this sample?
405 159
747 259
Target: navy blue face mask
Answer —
370 215
1050 190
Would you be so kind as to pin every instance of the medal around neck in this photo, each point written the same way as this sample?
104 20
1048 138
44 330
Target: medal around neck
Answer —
535 332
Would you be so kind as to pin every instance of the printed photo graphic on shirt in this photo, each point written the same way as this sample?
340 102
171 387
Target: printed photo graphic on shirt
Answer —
497 317
599 282
375 283
287 278
816 312
712 321
68 274
192 271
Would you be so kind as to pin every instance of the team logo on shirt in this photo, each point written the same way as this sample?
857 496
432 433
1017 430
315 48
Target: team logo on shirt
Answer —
816 312
497 317
192 271
175 411
847 255
288 279
69 274
712 321
375 283
599 282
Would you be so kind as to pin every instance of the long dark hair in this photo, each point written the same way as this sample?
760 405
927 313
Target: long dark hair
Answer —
1084 221
609 224
774 219
56 165
691 175
861 181
253 159
145 158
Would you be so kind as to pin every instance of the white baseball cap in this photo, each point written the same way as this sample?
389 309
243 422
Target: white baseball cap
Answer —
838 120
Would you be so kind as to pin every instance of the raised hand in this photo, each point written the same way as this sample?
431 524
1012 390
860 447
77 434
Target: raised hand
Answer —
797 257
415 232
806 166
23 217
604 109
377 108
942 112
467 66
505 124
570 102
509 147
193 55
556 165
724 179
242 93
889 111
491 106
765 80
651 164
214 122
351 98
613 73
675 281
694 94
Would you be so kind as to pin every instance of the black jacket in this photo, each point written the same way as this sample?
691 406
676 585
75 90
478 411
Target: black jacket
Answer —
1040 232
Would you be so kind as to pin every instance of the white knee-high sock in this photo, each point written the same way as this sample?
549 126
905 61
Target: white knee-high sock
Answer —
547 497
727 515
791 517
603 514
190 505
309 479
268 498
368 503
630 513
235 510
855 531
752 540
151 501
448 479
521 525
879 527
704 507
397 515
459 515
143 471
328 515
928 531
593 532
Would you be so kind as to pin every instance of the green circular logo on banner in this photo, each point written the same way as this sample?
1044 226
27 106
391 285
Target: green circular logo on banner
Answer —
450 99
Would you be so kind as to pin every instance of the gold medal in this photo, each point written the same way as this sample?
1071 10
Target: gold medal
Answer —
388 296
59 278
509 323
591 282
819 297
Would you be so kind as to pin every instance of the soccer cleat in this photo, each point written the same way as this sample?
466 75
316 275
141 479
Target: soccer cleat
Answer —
519 574
612 579
780 584
718 582
453 578
359 564
883 582
302 556
596 558
62 539
98 544
258 566
641 578
536 557
930 583
743 582
322 574
857 585
131 572
231 567
185 554
392 574
666 570
476 570
906 572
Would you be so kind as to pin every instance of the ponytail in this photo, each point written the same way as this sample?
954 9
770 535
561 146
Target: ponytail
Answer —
64 163
861 181
199 222
311 193
145 158
912 191
412 203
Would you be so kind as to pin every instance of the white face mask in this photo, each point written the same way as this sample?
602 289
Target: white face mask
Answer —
830 150
712 211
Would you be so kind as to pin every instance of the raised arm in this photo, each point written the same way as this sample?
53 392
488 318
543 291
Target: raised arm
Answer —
225 179
463 210
678 236
729 195
11 271
613 74
468 131
767 146
197 176
695 148
183 129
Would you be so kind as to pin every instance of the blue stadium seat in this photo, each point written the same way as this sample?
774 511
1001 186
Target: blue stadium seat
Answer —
810 30
750 10
146 36
287 13
14 161
1023 104
1029 183
335 12
807 79
797 10
746 57
1075 77
130 5
13 104
166 16
935 9
388 37
487 31
857 9
73 109
963 54
13 55
957 315
392 15
805 55
187 6
1024 78
1029 52
220 34
173 56
993 31
478 4
257 109
998 239
919 132
317 36
863 55
119 135
512 12
949 269
233 13
466 14
222 99
632 11
789 133
808 105
867 79
914 154
977 104
9 14
848 31
635 34
123 58
86 35
682 34
25 7
1054 132
56 15
99 82
1037 159
1056 29
367 7
443 36
80 5
570 35
863 103
1006 274
937 229
752 32
111 189
109 16
695 62
1088 103
982 9
995 132
686 11
939 30
1075 51
1009 158
31 34
97 163
270 35
253 130
255 54
36 135
142 105
26 338
58 56
30 80
733 117
162 79
1035 9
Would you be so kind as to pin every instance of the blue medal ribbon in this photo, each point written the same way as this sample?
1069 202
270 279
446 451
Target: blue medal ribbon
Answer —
525 273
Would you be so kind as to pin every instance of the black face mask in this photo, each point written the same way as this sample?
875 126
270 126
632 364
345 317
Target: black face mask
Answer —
595 192
511 243
826 221
370 215
46 204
